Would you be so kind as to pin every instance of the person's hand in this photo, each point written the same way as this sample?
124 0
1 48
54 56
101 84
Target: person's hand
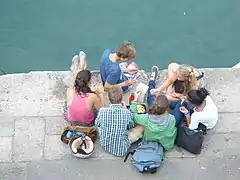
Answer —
183 110
154 91
139 92
129 82
98 88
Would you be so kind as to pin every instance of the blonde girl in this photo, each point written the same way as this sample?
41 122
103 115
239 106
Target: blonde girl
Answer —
184 73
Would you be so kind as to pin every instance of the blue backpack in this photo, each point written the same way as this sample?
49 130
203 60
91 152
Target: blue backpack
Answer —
147 157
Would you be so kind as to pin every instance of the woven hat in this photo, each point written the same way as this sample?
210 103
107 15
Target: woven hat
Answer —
82 147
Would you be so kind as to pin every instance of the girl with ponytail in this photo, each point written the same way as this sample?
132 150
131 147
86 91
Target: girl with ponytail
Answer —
81 100
179 74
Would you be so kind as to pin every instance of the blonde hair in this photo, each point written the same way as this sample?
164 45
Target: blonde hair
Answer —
126 50
188 72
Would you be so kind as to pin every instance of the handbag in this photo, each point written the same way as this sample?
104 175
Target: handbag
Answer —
191 140
77 131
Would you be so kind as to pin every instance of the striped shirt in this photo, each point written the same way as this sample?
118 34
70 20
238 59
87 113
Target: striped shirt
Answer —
112 124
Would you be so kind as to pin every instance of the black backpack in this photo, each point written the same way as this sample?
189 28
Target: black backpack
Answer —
191 140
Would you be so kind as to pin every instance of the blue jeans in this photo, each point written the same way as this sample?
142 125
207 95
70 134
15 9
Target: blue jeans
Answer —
173 105
150 97
174 110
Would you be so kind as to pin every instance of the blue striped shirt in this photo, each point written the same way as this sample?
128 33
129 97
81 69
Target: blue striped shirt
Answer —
112 123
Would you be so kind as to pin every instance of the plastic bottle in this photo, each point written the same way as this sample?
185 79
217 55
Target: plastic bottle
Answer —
131 98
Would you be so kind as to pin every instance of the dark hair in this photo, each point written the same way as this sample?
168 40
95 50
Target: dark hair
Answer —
160 105
81 82
197 97
115 95
179 86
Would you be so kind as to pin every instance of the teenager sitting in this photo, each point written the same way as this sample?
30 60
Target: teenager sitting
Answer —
112 73
115 125
158 124
185 73
82 102
205 110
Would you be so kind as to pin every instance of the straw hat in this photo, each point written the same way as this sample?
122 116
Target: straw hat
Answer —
82 147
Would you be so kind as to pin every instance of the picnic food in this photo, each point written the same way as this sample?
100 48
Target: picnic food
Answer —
140 108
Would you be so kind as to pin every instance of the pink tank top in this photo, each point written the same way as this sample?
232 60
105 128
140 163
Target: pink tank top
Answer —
78 111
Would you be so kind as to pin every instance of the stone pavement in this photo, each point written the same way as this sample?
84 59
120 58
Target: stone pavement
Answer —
31 124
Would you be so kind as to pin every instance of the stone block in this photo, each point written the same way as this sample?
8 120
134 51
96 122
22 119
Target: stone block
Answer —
28 139
6 129
99 153
178 152
5 149
55 125
227 123
6 119
55 148
221 145
224 86
14 171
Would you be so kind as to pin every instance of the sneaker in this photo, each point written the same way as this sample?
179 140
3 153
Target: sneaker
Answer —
154 73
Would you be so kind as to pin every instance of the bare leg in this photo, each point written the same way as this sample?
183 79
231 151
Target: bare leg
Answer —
135 133
79 62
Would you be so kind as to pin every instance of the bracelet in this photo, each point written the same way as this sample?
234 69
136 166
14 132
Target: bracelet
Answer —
186 113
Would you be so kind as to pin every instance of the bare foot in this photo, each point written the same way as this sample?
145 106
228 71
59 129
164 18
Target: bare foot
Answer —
83 62
75 62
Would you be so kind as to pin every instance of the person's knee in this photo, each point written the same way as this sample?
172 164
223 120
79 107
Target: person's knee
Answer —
135 133
172 66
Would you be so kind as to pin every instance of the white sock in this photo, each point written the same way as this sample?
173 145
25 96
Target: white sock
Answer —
153 75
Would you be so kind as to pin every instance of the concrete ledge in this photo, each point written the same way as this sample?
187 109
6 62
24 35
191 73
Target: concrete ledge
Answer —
43 93
31 107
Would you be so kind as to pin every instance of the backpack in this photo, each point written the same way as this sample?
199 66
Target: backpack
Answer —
191 140
70 132
147 157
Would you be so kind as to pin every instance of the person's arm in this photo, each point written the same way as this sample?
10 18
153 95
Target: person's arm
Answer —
171 77
113 78
108 86
69 95
188 118
99 101
192 121
139 119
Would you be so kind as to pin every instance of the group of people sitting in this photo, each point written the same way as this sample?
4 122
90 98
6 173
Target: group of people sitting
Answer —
178 99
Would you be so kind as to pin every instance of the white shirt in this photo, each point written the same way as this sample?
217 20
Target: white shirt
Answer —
208 116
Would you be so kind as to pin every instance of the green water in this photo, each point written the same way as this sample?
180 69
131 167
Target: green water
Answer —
45 34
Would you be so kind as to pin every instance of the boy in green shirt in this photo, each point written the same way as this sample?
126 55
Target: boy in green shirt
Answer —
158 124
